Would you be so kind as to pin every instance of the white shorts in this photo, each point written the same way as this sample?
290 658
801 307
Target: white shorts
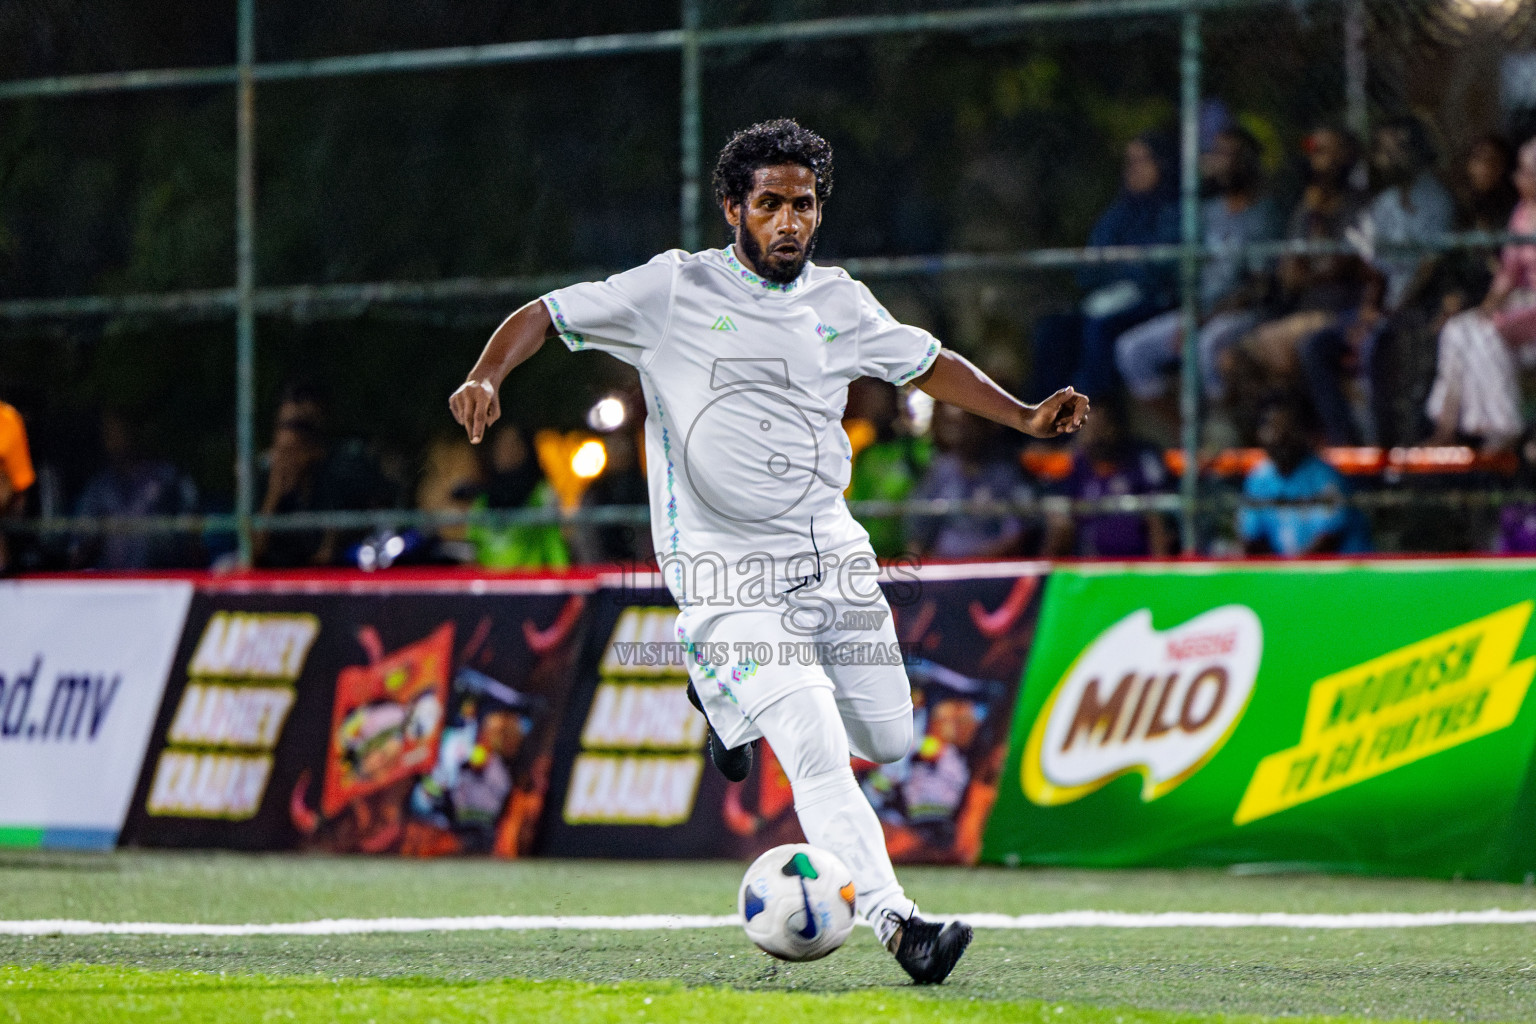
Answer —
745 659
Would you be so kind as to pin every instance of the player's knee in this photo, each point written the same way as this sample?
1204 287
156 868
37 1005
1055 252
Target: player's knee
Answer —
889 741
806 734
818 754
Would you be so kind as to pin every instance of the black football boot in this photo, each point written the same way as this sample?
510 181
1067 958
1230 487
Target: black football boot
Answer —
928 950
735 764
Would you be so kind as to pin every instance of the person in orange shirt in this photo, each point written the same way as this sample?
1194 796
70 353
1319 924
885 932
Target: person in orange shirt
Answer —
16 473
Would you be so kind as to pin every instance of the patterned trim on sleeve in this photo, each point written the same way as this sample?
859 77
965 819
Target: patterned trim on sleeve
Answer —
573 340
922 364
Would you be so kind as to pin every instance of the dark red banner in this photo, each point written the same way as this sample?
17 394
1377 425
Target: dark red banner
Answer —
632 777
416 722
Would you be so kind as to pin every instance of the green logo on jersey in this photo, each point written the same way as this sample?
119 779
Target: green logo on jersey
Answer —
723 323
827 332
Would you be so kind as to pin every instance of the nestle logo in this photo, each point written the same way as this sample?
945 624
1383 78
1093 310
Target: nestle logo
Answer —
1202 646
1160 703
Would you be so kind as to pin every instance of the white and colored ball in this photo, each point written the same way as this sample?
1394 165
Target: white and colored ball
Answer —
796 902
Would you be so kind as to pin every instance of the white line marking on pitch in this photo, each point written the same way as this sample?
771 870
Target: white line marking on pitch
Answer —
673 922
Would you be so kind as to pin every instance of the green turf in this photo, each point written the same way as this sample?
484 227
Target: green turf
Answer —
1460 973
92 994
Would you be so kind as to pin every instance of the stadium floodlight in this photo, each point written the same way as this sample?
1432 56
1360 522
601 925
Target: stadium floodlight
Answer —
607 415
588 460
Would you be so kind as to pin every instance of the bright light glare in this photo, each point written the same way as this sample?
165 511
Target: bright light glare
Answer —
919 411
589 459
606 415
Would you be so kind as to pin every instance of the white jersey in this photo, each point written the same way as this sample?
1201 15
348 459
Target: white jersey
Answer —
745 383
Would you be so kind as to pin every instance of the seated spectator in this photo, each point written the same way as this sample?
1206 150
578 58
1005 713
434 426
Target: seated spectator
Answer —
16 473
1476 393
1309 290
888 461
512 479
451 476
1517 520
1487 194
304 471
1234 216
1108 462
1079 348
622 482
1406 353
970 465
133 484
1294 472
1412 206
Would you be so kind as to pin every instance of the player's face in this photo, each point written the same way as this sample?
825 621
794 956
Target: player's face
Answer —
776 226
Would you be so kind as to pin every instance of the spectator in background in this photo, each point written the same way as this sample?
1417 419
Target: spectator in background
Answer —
451 476
1079 348
1107 462
1310 291
1476 393
1517 520
1485 198
513 480
16 473
970 465
1294 472
1235 215
133 484
622 482
304 471
1411 207
888 461
1487 194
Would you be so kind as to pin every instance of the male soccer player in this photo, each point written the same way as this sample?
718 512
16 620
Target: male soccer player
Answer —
745 355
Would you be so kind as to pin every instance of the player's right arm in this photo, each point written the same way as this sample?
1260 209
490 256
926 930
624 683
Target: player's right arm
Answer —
625 316
476 404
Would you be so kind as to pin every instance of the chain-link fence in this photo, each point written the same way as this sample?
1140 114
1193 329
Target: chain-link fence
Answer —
198 208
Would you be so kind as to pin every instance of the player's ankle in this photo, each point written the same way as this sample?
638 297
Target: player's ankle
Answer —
888 919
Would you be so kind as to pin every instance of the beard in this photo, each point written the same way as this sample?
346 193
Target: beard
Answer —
779 270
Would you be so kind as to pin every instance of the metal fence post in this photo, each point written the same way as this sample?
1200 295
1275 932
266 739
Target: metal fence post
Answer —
1189 270
1356 70
688 198
245 280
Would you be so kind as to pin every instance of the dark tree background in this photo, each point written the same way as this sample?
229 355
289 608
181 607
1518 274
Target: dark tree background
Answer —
993 141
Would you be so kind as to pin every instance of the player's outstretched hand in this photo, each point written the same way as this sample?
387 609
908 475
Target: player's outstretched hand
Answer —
475 405
1062 413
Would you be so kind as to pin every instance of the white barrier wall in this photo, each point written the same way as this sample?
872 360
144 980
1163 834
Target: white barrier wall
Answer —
83 666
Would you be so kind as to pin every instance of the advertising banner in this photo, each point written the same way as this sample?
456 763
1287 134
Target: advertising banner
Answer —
82 669
632 776
373 721
1361 717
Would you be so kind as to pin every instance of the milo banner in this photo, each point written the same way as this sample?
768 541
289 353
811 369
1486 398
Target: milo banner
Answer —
391 721
632 776
1368 718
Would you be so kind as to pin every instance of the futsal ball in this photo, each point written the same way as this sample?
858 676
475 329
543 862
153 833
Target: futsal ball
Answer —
796 902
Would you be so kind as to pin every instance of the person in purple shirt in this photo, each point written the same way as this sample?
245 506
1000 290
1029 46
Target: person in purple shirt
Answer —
1517 522
972 464
1108 462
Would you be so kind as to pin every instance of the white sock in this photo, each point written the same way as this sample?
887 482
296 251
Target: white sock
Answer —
836 816
806 733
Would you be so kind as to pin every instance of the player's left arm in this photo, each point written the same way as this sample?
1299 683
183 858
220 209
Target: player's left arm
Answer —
954 379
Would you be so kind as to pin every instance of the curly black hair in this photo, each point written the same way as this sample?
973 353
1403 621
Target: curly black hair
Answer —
765 145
